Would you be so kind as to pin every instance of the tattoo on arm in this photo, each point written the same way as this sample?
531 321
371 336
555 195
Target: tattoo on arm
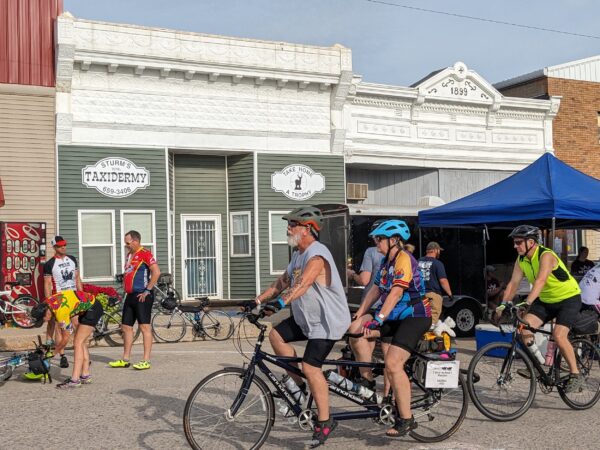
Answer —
294 291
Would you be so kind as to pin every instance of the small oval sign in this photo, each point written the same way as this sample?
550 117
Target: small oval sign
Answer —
298 182
115 177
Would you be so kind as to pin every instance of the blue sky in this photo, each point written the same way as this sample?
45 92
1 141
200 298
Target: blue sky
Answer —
390 45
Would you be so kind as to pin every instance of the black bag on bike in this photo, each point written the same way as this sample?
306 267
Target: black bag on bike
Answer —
586 323
36 363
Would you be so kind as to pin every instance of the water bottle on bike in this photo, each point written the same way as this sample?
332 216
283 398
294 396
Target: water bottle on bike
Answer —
344 383
295 391
536 351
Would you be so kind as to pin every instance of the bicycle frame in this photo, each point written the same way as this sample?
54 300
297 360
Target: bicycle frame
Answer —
548 377
12 309
260 357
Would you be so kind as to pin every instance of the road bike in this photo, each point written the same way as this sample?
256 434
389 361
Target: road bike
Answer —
10 363
234 408
172 326
18 309
502 376
164 289
109 326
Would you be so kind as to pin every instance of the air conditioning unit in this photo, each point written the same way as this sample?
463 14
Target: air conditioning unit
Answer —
357 191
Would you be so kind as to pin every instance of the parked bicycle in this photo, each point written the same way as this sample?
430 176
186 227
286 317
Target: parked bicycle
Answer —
109 326
18 309
234 408
164 288
502 376
172 326
36 360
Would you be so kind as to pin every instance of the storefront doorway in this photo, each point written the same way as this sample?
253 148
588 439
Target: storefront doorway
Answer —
201 256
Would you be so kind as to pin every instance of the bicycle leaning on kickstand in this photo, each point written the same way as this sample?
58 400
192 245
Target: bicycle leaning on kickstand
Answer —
233 407
502 376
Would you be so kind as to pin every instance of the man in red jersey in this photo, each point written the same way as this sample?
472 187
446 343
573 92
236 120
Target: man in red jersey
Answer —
139 278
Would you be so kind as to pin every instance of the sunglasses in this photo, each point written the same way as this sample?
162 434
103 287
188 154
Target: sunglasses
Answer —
518 241
294 224
379 238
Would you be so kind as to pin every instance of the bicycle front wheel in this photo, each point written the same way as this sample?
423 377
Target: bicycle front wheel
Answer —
6 370
113 334
217 325
588 363
207 419
439 412
168 327
21 316
501 384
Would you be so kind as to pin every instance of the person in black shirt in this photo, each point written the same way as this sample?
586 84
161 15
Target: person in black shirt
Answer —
581 265
436 280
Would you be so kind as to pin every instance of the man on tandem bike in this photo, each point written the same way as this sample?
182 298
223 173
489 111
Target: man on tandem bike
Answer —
320 310
401 320
555 293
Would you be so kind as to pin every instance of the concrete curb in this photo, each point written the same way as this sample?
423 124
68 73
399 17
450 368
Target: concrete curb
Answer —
19 339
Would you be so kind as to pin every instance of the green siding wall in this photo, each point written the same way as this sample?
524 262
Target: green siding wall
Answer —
200 188
240 173
331 167
74 196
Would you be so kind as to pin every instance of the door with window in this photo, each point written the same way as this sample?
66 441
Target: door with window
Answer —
201 264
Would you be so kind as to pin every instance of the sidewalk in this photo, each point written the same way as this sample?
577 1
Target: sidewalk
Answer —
17 339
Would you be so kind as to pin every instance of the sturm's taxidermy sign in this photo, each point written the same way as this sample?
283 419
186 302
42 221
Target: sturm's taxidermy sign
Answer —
298 182
115 177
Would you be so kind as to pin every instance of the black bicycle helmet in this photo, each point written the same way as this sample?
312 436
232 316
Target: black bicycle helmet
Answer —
37 313
526 232
307 215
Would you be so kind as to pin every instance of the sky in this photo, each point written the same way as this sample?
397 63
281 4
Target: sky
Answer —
390 44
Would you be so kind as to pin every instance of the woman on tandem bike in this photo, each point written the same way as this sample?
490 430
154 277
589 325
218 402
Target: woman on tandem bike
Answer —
401 320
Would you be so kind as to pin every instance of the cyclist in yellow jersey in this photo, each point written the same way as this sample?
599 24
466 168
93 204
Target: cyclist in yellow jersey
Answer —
64 306
555 293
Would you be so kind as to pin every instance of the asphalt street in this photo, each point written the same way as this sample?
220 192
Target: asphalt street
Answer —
129 409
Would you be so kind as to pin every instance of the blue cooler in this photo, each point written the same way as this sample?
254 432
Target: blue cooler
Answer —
486 333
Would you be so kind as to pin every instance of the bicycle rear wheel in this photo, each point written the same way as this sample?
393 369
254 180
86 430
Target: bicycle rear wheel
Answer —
113 335
207 420
168 327
22 318
217 325
588 363
439 412
497 390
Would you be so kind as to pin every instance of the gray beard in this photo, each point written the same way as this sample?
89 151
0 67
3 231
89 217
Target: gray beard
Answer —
293 240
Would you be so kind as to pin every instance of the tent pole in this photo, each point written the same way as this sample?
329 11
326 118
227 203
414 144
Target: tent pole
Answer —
553 233
484 230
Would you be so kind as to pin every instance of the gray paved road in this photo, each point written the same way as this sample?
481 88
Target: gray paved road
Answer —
128 409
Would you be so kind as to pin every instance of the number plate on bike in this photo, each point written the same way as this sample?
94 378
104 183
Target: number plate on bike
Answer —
442 374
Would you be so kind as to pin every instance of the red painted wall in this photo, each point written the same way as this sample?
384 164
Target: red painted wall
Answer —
27 41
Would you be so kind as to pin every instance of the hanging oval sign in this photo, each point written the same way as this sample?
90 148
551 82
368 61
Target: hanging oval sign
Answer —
298 182
115 177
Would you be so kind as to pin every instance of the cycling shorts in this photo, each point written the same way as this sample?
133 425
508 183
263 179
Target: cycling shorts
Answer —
92 315
134 310
316 349
405 333
565 312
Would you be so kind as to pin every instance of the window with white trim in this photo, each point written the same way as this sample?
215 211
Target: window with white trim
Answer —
97 244
241 244
278 245
141 221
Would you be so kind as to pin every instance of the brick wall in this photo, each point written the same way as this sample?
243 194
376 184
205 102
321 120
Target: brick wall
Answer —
576 124
592 241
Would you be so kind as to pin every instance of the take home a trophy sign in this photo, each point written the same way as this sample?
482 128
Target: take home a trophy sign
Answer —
115 177
298 182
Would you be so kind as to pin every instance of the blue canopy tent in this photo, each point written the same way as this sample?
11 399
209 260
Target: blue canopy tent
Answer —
547 193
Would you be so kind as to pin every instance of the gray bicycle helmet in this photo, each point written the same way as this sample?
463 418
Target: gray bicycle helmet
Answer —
307 215
526 232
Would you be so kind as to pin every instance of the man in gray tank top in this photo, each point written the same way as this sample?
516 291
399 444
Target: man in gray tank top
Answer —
321 316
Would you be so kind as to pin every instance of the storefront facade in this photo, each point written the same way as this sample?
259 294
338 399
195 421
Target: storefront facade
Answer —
203 143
